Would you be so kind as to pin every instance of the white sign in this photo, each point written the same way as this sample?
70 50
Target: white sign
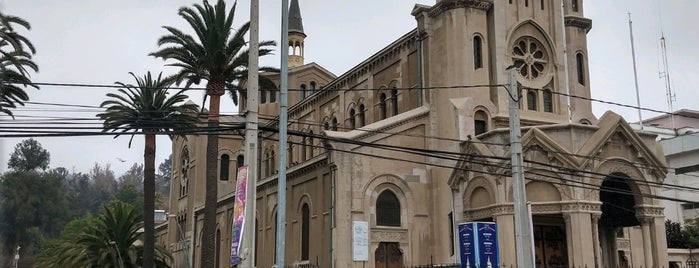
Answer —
360 241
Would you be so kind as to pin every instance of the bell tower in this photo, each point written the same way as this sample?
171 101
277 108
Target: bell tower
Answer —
296 35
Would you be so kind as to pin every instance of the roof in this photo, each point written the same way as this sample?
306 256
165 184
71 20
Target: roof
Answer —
295 21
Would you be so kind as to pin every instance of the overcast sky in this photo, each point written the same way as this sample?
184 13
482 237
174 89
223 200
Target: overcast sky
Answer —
100 41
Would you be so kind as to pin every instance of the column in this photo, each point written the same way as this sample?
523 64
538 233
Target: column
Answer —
595 241
569 240
660 241
647 246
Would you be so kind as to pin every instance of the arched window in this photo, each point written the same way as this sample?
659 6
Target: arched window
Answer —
275 237
310 144
480 122
387 209
273 162
531 100
351 119
574 4
542 4
334 124
303 91
394 100
225 167
272 95
360 117
266 164
382 106
304 145
240 161
263 96
313 87
326 126
580 63
477 52
548 101
305 231
290 153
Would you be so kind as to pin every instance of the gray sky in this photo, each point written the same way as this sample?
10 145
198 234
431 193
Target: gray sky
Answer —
100 41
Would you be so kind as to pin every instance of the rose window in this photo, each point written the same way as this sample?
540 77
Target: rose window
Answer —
529 57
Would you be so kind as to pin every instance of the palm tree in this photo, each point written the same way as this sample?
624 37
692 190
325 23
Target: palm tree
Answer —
216 54
15 62
147 107
110 239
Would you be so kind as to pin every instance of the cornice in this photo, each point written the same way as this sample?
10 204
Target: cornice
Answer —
580 22
447 5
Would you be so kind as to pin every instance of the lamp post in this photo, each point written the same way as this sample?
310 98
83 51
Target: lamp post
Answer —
121 261
183 243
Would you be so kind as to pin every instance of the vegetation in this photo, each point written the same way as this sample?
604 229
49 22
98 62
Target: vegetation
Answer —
15 63
682 237
110 239
146 107
215 54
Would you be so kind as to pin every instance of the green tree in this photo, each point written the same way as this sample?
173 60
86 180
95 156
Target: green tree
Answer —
673 232
146 107
108 240
133 176
34 207
29 155
15 63
162 180
215 54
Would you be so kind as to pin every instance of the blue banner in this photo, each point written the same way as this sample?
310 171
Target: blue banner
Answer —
478 245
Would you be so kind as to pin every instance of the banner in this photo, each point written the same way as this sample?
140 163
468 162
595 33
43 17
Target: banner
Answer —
360 241
478 245
239 214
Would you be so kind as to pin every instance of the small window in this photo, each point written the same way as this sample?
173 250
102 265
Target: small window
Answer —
580 62
310 144
477 52
542 4
313 87
351 118
480 122
334 124
382 106
326 126
387 209
531 100
360 117
263 96
303 91
305 231
620 232
548 101
526 3
225 167
272 95
394 100
290 152
574 4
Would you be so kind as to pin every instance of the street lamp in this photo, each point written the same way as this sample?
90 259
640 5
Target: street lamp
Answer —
183 243
121 261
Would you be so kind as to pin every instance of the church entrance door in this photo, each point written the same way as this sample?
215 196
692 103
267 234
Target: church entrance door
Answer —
389 255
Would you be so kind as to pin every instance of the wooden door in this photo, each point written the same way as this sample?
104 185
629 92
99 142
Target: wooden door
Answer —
388 255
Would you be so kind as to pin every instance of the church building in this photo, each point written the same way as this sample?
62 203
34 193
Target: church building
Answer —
414 140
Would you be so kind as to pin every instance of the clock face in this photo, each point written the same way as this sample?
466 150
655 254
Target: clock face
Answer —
184 167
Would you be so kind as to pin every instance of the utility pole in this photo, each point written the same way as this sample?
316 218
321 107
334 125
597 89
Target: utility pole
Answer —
283 114
523 225
251 134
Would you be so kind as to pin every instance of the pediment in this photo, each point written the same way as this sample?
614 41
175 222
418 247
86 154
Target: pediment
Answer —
470 150
540 147
616 137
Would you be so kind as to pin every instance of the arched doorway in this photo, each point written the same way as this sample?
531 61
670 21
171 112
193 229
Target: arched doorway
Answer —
618 211
388 255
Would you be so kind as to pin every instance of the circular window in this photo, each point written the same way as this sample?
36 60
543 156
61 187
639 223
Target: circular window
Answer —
529 57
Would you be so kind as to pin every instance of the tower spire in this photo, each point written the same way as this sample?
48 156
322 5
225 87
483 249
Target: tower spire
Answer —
296 35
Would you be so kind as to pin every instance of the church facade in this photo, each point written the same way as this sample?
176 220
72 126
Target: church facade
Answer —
414 140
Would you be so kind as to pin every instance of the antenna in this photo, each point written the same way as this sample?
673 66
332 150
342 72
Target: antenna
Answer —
665 73
635 73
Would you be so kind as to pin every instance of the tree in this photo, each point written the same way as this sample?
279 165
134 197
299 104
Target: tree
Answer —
110 239
673 232
15 62
215 54
29 155
164 176
34 207
146 107
133 176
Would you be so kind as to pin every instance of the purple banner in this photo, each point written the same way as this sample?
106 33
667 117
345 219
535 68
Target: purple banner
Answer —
239 214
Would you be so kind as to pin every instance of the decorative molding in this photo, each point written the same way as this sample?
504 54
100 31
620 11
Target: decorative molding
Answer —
580 22
648 212
445 5
383 235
